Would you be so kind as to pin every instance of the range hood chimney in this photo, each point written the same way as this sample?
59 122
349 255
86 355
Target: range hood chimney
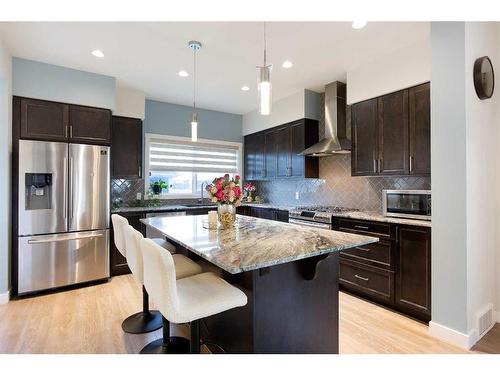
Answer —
335 141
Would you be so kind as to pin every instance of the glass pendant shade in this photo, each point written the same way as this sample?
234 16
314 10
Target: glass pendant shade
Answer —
265 90
194 127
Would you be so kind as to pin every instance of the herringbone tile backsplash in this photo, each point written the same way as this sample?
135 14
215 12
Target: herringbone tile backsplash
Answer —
337 187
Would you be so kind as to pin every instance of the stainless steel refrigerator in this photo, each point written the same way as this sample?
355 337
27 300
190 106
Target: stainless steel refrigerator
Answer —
63 214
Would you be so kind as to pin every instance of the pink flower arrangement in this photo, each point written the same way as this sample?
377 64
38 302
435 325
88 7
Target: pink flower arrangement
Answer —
225 190
249 187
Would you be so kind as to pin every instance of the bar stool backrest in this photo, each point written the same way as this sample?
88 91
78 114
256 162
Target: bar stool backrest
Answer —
134 255
119 224
159 279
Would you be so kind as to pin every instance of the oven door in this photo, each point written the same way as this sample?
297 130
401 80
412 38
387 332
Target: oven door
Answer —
308 223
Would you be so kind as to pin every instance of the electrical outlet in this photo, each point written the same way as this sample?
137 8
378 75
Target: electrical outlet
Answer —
138 196
297 195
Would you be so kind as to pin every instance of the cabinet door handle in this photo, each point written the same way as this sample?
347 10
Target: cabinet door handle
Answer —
140 171
375 165
379 165
71 131
361 277
411 163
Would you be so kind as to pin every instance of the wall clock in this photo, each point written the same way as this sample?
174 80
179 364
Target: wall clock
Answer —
484 77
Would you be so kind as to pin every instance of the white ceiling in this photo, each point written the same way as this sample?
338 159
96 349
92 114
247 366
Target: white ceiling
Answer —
147 56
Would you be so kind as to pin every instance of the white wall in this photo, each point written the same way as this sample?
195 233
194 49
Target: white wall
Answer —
465 142
129 102
449 183
403 68
302 104
480 40
5 170
34 79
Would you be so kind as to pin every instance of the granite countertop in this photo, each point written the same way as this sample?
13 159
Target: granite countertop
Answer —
180 207
359 215
376 216
254 243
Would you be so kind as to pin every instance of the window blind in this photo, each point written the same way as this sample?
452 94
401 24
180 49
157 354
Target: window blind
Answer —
179 156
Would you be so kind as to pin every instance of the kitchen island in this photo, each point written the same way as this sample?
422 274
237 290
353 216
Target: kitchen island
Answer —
288 272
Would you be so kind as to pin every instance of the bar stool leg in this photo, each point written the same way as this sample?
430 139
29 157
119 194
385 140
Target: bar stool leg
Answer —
195 337
144 321
167 344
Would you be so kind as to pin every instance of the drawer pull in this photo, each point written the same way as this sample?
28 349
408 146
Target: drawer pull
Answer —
361 278
363 249
361 227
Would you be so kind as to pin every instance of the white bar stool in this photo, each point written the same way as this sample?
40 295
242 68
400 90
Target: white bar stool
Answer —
146 320
185 300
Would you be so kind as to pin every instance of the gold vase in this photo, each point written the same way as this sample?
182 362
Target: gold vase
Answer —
226 214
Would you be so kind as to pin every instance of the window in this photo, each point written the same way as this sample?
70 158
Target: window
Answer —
184 165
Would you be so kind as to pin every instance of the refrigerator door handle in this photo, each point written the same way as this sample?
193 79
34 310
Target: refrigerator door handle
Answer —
64 238
70 188
65 193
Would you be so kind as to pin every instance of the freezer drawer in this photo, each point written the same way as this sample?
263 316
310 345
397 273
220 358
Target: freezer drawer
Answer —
88 187
51 261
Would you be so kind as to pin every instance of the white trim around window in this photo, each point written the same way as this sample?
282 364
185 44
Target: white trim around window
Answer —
150 138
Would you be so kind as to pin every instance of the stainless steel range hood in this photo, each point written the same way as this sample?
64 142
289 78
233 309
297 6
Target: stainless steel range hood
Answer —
336 138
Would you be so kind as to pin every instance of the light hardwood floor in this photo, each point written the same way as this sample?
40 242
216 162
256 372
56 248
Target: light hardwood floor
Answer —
88 320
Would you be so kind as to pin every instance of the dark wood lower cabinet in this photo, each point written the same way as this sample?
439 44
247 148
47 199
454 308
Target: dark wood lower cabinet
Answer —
264 213
118 263
413 281
395 272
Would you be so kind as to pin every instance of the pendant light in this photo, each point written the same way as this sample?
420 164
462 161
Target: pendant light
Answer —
264 85
195 46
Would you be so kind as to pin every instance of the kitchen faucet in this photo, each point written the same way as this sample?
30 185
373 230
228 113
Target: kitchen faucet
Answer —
201 199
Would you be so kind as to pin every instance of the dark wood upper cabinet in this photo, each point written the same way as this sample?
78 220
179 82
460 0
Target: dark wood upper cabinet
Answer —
283 151
391 134
126 148
43 120
89 125
393 147
259 148
413 264
420 130
274 153
270 141
364 152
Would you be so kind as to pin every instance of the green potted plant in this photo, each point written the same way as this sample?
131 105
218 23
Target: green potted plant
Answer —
158 186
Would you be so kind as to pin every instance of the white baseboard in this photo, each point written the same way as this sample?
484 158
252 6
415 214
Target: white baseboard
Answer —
4 297
465 341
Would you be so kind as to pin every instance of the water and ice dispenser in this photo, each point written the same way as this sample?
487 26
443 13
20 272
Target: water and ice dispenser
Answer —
38 189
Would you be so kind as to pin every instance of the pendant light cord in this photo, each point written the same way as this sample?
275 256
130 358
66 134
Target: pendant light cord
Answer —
265 45
194 79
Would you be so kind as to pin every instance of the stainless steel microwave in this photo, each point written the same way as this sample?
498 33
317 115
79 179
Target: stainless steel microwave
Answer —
411 204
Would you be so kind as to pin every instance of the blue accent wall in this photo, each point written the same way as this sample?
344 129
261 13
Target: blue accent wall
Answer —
174 119
38 80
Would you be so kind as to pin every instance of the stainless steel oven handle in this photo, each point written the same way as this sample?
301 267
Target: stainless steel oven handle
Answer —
309 223
62 239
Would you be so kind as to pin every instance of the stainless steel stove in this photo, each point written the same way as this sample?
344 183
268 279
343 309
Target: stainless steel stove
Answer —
315 216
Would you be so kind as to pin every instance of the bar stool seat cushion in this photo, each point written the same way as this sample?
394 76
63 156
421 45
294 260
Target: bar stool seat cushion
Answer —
166 245
185 267
204 295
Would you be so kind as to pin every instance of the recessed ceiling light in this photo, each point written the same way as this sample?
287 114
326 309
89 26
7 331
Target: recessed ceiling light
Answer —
287 64
245 88
358 24
183 73
97 53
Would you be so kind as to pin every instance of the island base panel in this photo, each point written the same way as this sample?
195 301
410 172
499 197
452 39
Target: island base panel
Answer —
292 308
